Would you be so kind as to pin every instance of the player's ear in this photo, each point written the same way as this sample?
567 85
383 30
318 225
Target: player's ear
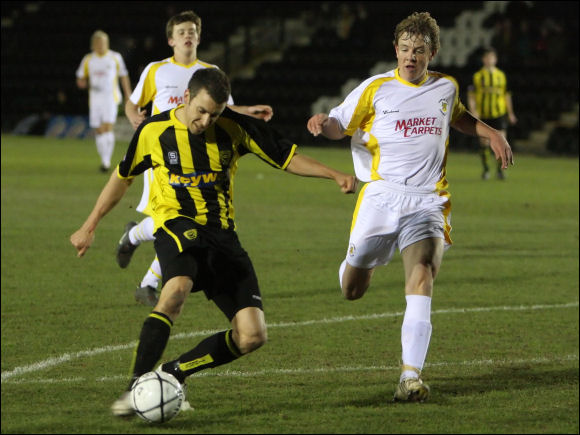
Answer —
171 42
186 97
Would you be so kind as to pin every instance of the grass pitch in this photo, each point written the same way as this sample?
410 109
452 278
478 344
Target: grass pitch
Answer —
504 349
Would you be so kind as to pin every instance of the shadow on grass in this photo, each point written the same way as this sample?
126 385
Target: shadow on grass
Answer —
512 378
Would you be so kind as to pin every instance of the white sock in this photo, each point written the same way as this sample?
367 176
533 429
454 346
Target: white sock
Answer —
415 334
142 232
101 141
153 275
109 148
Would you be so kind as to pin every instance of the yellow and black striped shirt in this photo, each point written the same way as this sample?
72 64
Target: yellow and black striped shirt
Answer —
490 90
194 173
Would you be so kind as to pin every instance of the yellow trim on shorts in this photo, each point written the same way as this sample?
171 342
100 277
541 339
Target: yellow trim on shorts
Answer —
357 207
446 214
174 237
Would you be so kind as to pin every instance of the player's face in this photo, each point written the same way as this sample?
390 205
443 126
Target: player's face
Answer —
490 60
184 37
201 111
100 45
413 57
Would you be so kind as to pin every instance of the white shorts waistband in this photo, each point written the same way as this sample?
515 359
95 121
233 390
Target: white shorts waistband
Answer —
402 188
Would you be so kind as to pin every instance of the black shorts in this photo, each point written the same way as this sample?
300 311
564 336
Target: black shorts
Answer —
500 123
215 261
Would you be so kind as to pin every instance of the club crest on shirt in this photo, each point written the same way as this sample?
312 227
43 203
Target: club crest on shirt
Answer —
443 106
225 158
351 249
190 234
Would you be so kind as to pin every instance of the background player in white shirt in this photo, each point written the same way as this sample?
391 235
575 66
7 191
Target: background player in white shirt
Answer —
100 71
399 122
164 83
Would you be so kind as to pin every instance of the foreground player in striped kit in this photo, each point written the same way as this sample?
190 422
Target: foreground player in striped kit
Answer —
100 71
194 151
399 122
163 84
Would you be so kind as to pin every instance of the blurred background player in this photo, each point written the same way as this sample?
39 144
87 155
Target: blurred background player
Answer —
163 83
100 71
490 100
399 122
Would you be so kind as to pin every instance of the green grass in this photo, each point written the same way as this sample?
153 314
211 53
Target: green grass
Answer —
504 349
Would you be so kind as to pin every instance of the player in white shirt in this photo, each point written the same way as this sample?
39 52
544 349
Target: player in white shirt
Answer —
399 122
100 71
164 83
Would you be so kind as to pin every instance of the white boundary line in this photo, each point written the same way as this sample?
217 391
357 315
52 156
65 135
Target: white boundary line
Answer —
301 371
56 361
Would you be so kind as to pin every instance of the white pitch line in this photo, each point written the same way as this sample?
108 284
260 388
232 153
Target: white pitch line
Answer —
310 370
56 361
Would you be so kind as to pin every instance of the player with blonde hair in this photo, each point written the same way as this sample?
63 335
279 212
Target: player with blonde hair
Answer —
399 122
100 71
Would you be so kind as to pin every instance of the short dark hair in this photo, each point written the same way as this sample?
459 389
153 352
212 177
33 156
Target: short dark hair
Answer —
486 50
183 17
213 80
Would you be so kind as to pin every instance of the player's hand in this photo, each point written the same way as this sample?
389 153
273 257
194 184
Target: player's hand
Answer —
348 183
314 124
82 240
501 149
82 83
513 119
261 111
137 118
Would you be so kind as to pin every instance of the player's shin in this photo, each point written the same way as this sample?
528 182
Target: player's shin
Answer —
213 351
415 335
152 341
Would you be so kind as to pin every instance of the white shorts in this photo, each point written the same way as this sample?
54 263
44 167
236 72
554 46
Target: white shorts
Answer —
389 215
102 110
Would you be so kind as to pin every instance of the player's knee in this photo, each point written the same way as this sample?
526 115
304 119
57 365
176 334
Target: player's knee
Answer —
353 291
173 296
252 340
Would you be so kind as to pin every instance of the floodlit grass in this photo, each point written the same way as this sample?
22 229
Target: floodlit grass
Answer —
504 349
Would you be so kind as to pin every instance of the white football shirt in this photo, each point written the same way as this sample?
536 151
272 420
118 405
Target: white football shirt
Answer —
400 130
103 73
164 82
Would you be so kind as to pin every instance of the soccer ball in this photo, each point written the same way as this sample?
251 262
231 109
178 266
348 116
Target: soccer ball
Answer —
157 396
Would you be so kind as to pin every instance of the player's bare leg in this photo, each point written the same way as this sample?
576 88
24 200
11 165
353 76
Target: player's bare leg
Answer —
421 261
354 281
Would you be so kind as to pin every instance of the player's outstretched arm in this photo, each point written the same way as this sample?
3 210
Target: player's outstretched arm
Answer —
259 111
472 126
111 194
308 167
321 123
